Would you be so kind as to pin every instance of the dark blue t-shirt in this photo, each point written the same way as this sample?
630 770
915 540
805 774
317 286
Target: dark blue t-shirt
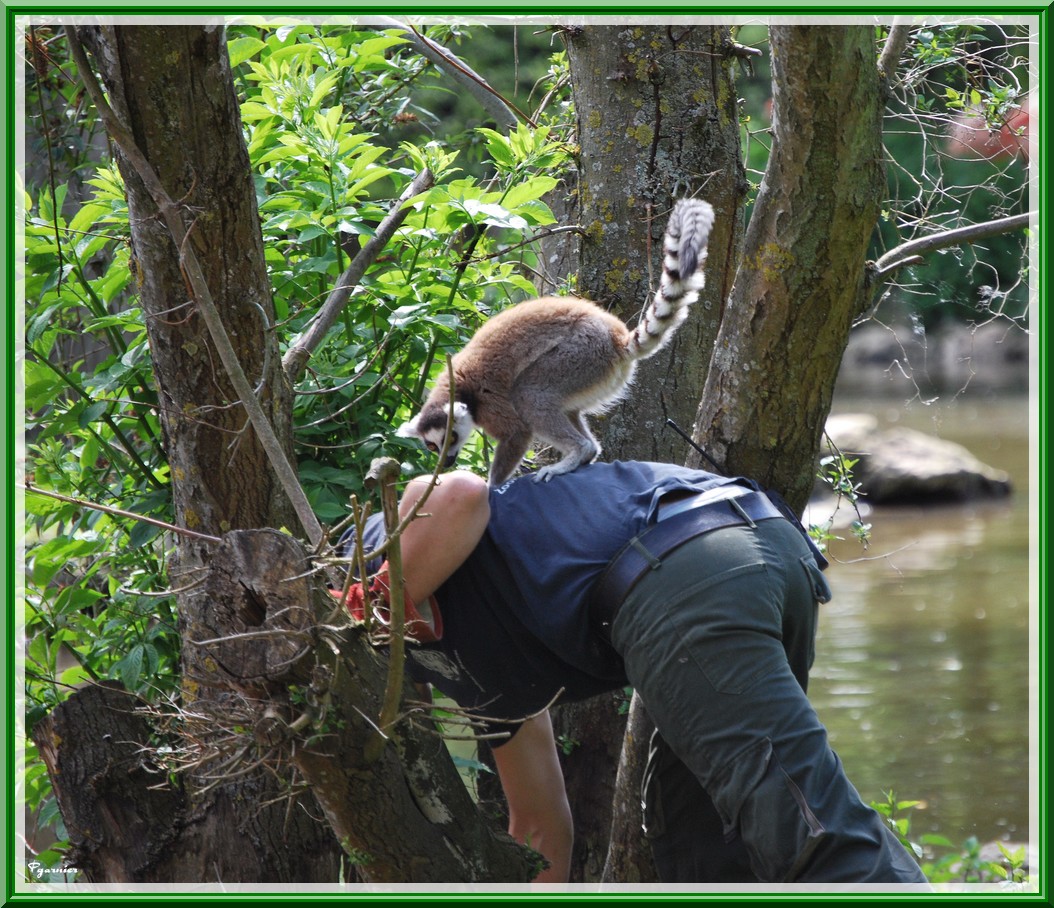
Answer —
515 614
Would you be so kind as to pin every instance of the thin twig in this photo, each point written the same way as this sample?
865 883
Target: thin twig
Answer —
282 633
472 715
544 234
118 512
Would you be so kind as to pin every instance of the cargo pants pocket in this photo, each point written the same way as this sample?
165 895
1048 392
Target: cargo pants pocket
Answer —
821 589
759 799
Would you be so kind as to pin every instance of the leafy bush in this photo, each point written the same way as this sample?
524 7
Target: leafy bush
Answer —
944 862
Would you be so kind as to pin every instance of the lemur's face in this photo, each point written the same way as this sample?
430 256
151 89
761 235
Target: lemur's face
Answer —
430 425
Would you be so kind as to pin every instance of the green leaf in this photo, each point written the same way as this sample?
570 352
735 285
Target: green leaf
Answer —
47 559
39 323
152 658
241 49
529 190
536 212
496 215
130 669
143 533
373 47
88 215
323 88
499 147
73 598
92 412
935 840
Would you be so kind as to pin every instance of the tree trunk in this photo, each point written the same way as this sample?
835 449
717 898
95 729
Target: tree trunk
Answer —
303 692
122 815
657 121
802 274
403 816
172 88
591 734
760 406
627 861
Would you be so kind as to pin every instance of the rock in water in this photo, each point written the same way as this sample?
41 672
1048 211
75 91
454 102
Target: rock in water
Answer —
904 466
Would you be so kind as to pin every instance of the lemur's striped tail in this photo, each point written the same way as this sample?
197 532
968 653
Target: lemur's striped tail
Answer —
684 252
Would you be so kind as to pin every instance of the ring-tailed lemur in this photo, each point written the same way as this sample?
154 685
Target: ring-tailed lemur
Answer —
533 370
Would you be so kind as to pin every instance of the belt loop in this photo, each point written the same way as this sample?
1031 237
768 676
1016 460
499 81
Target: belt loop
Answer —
738 508
653 562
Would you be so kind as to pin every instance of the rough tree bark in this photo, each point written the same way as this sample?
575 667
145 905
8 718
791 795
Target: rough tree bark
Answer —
302 692
657 121
404 813
801 279
172 87
628 858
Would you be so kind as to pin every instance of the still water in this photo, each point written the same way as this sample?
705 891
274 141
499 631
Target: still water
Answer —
922 671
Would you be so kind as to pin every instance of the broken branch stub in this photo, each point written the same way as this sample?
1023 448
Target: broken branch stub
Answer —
118 807
402 814
261 626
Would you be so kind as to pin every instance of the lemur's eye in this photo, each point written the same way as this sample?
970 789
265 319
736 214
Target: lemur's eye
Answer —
453 439
432 446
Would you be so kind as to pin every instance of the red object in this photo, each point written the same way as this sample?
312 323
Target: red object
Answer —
423 623
969 136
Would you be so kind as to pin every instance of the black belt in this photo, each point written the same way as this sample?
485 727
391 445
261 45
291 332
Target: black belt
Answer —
643 552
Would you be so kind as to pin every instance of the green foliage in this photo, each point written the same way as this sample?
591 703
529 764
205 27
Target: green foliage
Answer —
444 273
356 856
91 416
567 744
952 77
92 609
960 80
836 473
944 862
318 108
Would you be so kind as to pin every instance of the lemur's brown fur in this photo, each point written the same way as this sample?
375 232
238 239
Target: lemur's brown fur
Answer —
534 370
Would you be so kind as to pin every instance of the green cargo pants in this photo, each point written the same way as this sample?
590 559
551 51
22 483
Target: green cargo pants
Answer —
718 642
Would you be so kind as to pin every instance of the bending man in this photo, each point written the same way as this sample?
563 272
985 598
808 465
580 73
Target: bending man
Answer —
709 612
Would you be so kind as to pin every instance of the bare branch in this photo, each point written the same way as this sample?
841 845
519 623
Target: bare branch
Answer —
384 472
892 50
118 512
170 211
301 349
910 252
461 73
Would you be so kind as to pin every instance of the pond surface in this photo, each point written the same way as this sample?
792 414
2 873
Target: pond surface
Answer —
923 666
